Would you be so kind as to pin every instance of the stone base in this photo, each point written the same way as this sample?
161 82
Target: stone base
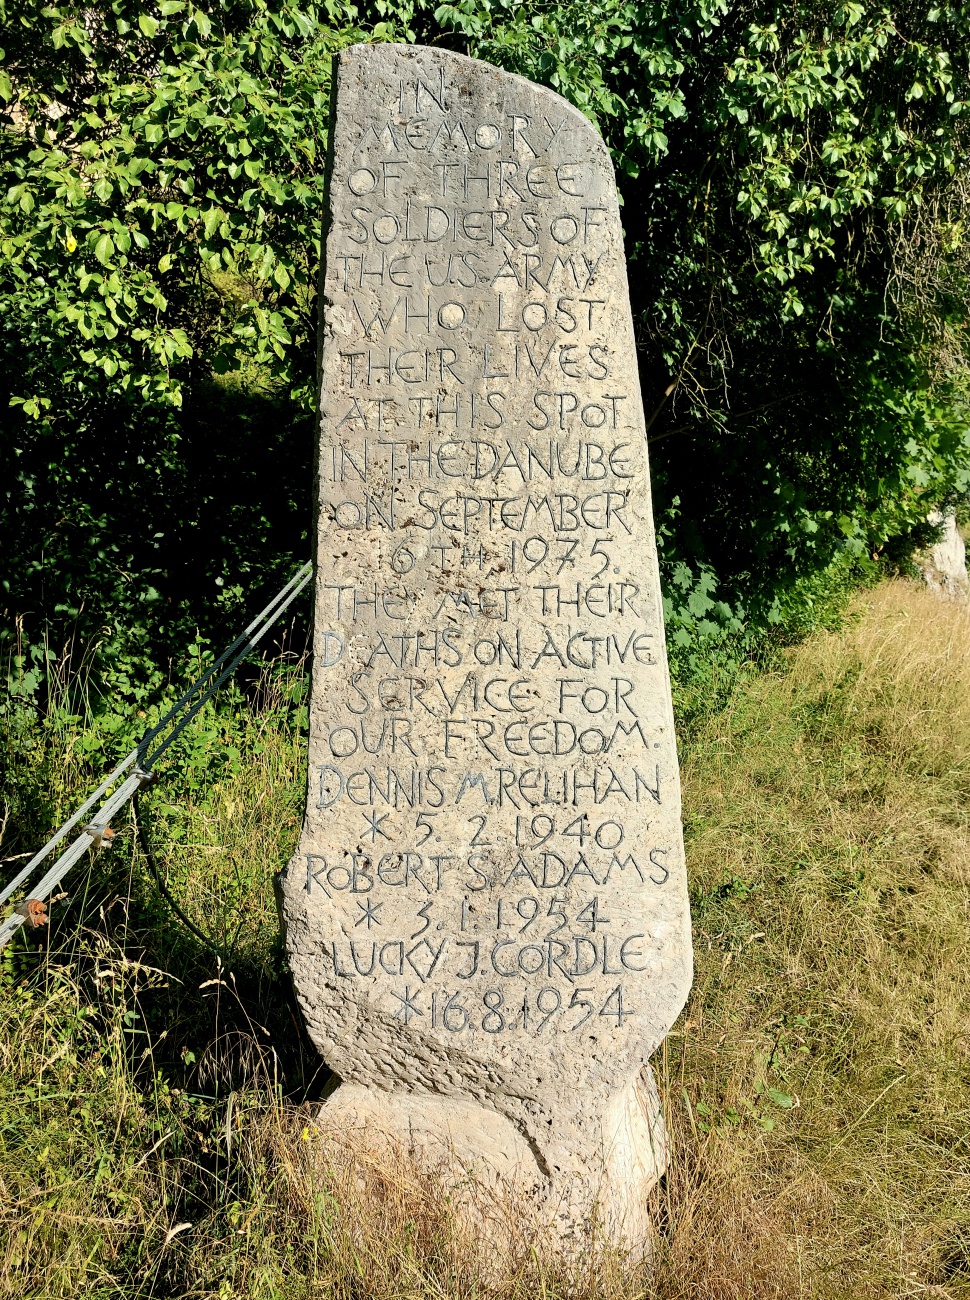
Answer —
500 1182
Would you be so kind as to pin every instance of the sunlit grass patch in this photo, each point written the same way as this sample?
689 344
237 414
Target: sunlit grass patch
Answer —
828 842
157 1097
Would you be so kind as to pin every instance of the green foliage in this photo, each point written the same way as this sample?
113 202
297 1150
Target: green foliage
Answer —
795 216
167 176
776 167
160 231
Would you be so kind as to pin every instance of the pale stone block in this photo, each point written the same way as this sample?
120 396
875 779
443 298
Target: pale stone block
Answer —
944 564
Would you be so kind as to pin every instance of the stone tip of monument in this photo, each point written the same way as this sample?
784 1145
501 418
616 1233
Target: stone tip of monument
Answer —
372 55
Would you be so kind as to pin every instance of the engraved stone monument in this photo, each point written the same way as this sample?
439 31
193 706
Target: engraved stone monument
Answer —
487 918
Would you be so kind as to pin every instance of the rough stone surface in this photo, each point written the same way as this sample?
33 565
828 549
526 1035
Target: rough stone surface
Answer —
487 918
944 564
503 1186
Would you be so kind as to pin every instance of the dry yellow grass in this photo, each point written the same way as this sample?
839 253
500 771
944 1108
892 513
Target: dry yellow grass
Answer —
817 1086
829 848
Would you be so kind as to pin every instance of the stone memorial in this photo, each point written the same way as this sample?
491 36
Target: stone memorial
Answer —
487 918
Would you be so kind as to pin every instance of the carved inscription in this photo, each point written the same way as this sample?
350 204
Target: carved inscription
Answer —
492 850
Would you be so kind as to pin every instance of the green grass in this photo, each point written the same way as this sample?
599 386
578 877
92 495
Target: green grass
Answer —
156 1096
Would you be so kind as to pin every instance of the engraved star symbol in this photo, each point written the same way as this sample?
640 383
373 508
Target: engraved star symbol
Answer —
408 1006
374 825
369 912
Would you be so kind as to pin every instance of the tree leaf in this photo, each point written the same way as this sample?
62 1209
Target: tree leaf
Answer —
104 249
